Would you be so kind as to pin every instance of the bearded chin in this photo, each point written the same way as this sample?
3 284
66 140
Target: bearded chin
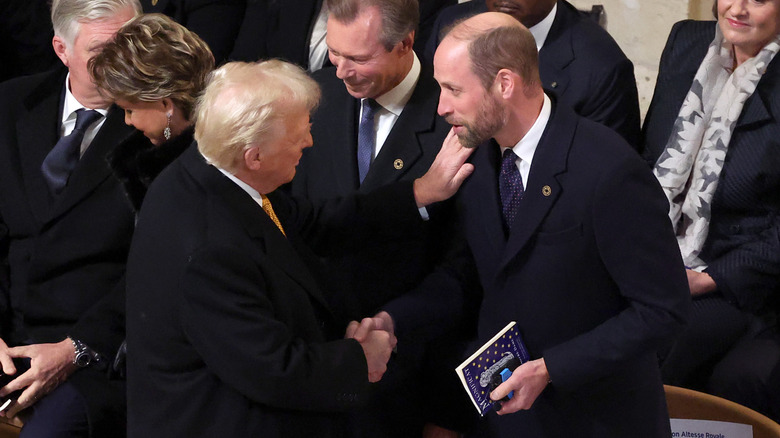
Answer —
471 139
491 119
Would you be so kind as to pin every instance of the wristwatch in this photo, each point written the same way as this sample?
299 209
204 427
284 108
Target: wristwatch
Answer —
84 355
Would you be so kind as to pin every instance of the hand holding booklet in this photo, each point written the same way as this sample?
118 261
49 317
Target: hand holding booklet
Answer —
492 364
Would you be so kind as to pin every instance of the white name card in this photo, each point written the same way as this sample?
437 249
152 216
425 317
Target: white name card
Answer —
709 429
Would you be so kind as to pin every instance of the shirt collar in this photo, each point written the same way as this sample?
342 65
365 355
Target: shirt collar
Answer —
541 29
71 104
395 99
246 187
526 147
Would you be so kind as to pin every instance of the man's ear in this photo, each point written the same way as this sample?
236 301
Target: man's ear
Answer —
506 83
407 43
60 49
253 159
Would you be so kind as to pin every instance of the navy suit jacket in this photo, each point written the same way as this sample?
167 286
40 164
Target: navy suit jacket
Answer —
742 248
282 29
371 277
217 22
590 271
227 326
62 258
579 62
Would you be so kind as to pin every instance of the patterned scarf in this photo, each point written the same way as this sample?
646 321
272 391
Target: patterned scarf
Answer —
689 168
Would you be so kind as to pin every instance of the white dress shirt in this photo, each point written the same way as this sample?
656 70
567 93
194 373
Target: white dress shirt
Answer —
244 186
318 49
541 29
68 122
392 104
526 147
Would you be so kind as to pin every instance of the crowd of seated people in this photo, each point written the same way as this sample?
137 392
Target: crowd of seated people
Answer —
176 259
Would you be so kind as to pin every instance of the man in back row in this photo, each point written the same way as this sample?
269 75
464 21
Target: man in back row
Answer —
65 230
578 60
378 125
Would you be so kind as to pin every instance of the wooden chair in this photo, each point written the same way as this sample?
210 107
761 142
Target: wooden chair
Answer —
10 427
688 404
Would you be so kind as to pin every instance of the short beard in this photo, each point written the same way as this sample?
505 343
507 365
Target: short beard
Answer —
491 117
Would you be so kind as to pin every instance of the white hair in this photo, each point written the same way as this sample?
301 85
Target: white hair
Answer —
67 15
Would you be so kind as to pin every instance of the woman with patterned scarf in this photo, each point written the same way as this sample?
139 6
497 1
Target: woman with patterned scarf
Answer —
713 136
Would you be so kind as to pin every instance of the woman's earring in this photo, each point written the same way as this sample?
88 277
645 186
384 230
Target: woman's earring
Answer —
167 130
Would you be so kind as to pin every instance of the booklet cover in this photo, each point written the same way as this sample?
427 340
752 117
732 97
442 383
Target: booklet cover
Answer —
505 349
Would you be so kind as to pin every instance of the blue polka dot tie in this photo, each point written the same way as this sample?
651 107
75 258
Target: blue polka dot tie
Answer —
510 187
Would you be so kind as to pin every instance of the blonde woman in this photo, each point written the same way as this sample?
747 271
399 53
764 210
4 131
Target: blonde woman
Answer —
154 69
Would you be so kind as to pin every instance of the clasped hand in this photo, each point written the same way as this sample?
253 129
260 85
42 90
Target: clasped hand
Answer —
527 381
446 174
376 337
50 365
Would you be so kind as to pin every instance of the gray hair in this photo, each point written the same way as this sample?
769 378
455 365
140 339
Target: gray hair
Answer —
399 17
244 105
67 15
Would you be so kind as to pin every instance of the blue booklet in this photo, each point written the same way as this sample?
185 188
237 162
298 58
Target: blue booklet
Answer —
505 350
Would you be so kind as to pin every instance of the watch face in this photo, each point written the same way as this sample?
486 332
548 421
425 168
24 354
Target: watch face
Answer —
83 359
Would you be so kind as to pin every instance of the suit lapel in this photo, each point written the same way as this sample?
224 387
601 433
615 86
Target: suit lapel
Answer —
255 221
93 167
404 145
481 194
344 157
543 187
755 110
37 133
557 52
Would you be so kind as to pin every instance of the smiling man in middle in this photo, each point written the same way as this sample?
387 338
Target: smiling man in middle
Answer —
377 124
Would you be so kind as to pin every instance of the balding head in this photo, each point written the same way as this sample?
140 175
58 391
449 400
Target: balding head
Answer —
497 93
496 41
528 12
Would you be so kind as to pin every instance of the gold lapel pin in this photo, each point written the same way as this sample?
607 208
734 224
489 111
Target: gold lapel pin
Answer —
154 2
546 191
398 164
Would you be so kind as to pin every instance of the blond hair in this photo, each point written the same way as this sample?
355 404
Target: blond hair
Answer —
152 58
244 105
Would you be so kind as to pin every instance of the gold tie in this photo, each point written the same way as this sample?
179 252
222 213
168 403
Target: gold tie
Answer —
270 212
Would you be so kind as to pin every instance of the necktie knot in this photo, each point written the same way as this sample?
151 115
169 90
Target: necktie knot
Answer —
508 161
84 118
269 210
369 107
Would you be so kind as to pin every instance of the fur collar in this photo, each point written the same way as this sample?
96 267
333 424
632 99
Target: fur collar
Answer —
137 166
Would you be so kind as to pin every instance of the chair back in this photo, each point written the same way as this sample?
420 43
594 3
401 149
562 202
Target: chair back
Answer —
694 405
